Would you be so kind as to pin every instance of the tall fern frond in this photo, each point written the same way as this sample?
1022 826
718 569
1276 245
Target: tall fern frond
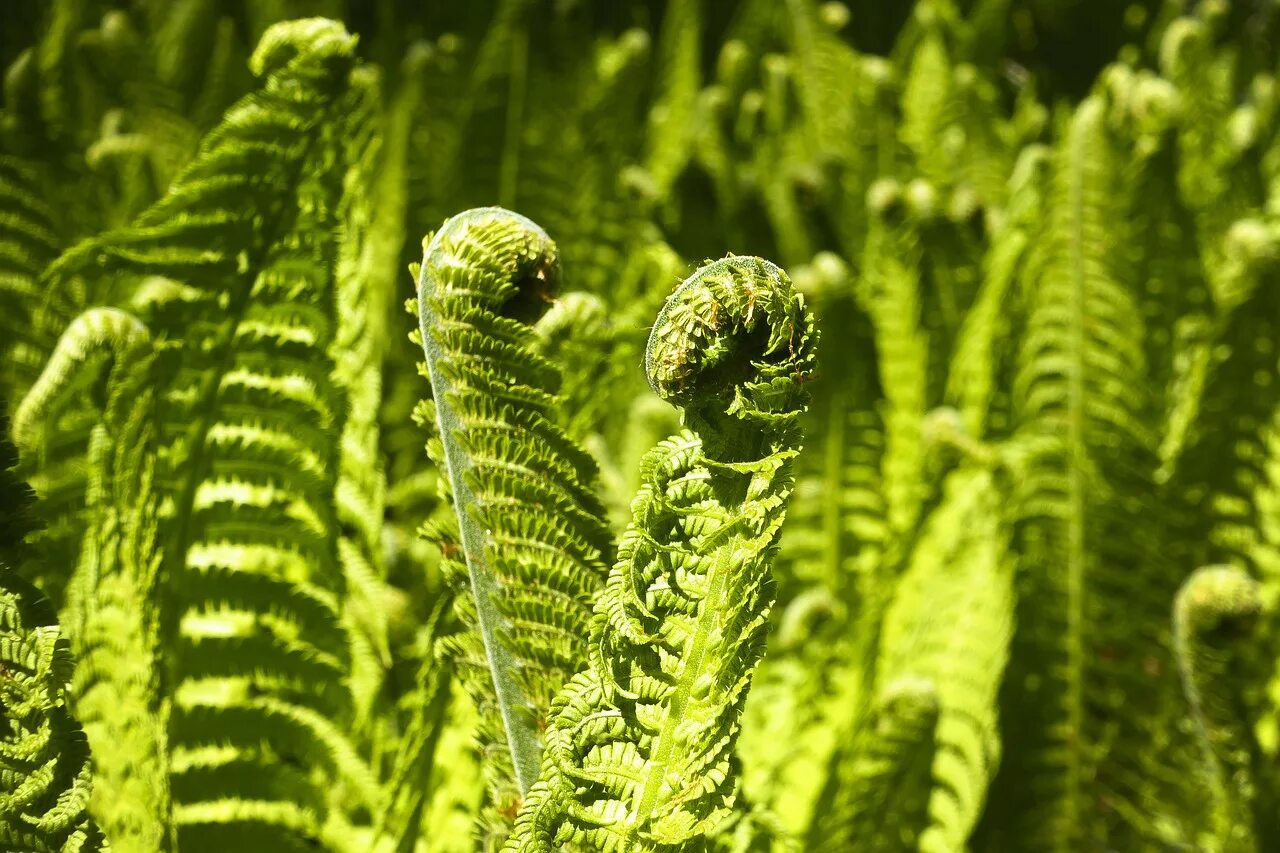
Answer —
238 262
878 796
950 622
529 540
1087 703
114 605
639 750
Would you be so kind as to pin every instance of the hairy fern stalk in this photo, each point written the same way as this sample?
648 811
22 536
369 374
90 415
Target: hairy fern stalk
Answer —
546 568
639 750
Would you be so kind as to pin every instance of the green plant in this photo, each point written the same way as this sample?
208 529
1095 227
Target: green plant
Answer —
1015 592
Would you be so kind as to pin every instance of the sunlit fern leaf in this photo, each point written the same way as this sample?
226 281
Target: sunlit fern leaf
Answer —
980 368
889 291
1215 618
45 778
529 539
877 796
250 416
950 622
113 608
53 428
1088 707
639 749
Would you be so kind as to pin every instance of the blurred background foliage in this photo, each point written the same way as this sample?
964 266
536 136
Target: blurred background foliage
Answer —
1041 238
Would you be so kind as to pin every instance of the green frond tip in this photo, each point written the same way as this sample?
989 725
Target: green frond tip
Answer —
733 339
96 332
530 542
1214 619
294 45
639 753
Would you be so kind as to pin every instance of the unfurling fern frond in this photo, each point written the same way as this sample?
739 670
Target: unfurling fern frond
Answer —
639 752
1214 621
45 781
530 539
113 607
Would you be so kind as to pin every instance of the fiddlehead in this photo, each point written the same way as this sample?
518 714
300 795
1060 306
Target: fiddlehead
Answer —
1214 619
638 755
530 541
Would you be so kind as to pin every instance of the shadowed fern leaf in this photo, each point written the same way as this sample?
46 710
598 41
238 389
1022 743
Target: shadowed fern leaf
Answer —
45 782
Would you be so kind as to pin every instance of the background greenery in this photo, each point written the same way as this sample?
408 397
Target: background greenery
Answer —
1025 592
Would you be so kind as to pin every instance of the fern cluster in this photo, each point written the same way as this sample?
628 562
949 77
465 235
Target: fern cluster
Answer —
609 549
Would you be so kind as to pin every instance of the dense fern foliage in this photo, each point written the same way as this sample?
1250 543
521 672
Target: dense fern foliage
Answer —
954 525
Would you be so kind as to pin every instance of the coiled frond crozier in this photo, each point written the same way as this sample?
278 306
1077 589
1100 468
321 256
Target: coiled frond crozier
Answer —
638 754
529 529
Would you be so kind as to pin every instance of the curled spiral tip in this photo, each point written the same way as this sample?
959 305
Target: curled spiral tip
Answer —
499 257
735 322
1218 598
317 41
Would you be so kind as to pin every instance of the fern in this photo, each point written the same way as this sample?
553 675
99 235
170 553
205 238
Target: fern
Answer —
1215 616
45 778
885 778
638 750
248 410
530 536
1087 445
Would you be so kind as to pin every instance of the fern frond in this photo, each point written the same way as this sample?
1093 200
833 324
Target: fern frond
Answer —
249 412
950 622
45 776
1087 704
113 607
638 753
54 424
531 536
1214 620
878 797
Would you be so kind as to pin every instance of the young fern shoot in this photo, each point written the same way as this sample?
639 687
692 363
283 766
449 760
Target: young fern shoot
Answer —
639 750
529 529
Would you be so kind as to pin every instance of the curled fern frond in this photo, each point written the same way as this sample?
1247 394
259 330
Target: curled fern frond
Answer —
1214 619
530 541
639 751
